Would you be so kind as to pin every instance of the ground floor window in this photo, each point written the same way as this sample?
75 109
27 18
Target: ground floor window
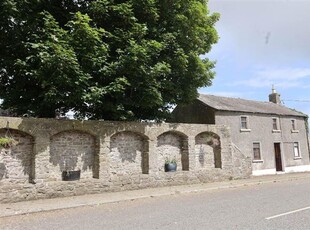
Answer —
296 150
256 151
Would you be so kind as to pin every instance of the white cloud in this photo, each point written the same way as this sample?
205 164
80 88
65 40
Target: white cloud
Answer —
263 32
262 43
289 74
283 77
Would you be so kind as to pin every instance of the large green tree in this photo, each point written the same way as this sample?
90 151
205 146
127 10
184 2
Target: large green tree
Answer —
104 59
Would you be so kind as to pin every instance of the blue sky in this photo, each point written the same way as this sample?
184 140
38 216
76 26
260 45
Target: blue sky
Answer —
262 43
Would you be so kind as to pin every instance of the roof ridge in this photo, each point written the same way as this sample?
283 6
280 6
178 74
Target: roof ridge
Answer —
247 105
235 98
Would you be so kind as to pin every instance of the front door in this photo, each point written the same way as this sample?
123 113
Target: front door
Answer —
277 151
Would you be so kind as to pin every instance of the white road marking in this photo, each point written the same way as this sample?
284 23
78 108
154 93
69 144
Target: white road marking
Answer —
287 213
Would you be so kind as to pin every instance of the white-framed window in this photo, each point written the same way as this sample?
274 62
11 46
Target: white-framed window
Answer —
244 122
296 150
257 156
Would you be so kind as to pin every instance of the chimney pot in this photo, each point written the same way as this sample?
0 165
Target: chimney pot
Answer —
274 97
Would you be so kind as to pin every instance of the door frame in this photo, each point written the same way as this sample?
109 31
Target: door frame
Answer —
278 166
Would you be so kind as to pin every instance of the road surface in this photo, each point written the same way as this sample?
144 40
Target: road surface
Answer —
281 205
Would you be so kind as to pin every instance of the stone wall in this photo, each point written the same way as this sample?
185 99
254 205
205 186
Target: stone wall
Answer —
109 156
208 151
16 162
71 151
172 146
242 164
128 152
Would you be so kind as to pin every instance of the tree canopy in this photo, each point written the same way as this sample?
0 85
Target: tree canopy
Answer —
104 59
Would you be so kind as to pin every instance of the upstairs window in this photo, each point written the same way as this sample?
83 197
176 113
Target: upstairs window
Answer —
275 124
256 151
293 124
244 123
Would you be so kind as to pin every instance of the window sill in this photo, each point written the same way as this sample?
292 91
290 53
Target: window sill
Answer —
294 131
258 161
276 131
297 158
245 130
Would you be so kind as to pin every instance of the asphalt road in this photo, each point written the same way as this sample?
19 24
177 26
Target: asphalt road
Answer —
281 205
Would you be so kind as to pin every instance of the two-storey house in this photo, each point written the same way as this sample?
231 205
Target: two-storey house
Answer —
273 136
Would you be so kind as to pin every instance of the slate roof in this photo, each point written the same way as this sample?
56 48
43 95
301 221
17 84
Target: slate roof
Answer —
249 106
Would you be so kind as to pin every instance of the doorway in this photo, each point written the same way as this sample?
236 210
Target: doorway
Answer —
277 152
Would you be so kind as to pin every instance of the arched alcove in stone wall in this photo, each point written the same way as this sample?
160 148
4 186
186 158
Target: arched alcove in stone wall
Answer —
208 150
17 161
129 153
73 150
173 145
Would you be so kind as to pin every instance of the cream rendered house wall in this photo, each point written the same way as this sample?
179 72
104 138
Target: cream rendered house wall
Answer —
260 129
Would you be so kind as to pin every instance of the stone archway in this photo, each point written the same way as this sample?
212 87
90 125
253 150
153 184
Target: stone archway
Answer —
72 150
208 150
173 145
129 153
17 161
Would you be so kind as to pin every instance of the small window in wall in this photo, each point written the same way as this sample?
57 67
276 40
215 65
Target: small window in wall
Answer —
275 125
294 126
256 151
296 150
244 123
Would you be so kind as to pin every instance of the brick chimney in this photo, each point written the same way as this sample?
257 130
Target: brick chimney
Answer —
274 96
